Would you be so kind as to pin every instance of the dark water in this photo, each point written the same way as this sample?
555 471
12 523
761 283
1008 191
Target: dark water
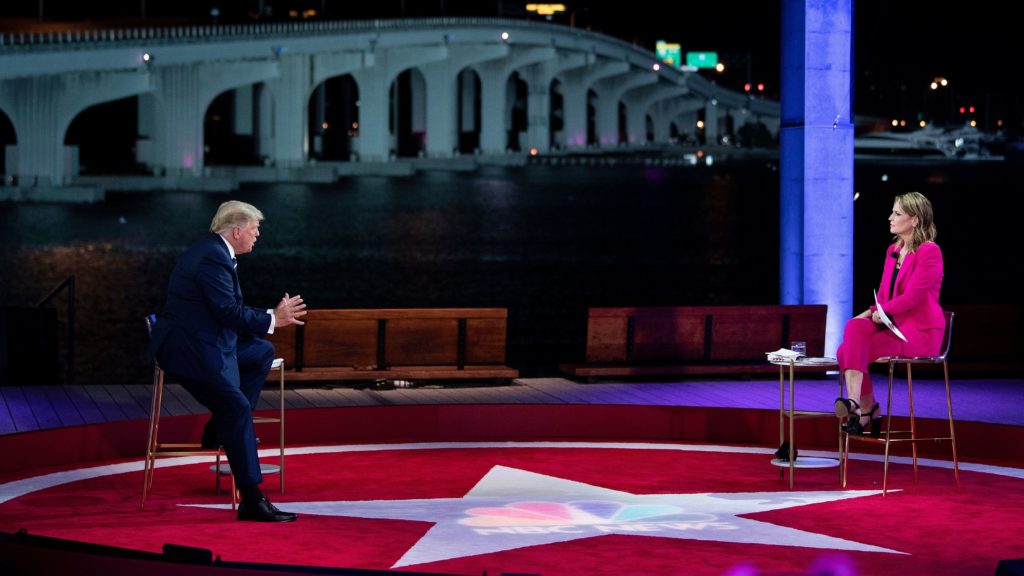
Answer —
545 242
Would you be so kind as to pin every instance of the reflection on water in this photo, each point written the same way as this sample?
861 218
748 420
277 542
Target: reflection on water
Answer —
545 242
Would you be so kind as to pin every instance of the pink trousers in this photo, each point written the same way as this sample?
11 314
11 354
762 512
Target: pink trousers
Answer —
864 342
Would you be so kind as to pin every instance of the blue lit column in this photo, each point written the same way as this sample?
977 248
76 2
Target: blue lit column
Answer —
816 150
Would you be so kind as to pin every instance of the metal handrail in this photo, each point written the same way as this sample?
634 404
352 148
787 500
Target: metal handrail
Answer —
69 284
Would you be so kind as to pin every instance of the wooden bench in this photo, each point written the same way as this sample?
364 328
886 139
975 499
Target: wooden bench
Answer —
988 339
401 344
686 340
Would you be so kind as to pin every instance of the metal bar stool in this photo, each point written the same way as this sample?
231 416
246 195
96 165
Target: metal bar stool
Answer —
155 449
910 436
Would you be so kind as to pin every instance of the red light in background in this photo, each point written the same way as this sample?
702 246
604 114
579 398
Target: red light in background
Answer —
760 87
746 87
972 109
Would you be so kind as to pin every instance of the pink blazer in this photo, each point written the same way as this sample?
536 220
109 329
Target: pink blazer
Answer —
914 304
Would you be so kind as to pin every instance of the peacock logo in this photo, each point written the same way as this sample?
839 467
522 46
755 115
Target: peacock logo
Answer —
581 513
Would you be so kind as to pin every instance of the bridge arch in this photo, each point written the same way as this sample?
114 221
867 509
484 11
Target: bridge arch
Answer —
516 122
469 106
101 139
8 137
333 119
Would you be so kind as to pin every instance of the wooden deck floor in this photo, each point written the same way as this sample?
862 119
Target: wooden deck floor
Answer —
26 409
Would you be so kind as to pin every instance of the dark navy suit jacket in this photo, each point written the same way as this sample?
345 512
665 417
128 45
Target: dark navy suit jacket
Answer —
196 336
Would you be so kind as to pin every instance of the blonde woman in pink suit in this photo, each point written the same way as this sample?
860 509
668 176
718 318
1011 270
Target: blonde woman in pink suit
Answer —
909 295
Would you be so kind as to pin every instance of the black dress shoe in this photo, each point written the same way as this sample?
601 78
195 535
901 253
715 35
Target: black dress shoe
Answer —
263 511
782 453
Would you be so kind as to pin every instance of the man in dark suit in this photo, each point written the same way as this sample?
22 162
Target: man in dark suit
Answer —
212 343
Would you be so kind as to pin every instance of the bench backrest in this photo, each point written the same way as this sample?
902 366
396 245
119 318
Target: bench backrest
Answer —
367 339
988 333
701 333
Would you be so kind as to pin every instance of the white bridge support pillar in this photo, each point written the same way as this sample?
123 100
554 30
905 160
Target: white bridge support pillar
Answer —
442 98
42 107
639 102
711 129
299 79
665 112
374 81
609 93
538 79
494 77
183 94
577 86
289 94
178 126
740 118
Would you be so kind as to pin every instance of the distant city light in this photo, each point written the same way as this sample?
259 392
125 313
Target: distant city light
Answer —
895 122
971 109
922 123
903 122
720 67
760 87
533 151
974 123
147 57
656 66
999 122
325 125
885 177
856 195
934 85
700 124
504 36
746 87
545 9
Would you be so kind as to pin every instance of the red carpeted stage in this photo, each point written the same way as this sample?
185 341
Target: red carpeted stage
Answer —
529 488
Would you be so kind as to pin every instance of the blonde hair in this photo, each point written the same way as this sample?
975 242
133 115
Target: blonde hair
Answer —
234 213
915 204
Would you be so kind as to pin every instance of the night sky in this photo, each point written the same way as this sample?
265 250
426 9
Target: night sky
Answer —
899 46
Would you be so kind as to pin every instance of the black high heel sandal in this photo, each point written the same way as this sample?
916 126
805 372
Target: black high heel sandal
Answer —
876 422
857 429
845 407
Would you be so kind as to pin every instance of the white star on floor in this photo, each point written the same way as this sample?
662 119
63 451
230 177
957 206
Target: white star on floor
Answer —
511 508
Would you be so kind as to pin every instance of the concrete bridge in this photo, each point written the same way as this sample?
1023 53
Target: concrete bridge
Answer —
362 92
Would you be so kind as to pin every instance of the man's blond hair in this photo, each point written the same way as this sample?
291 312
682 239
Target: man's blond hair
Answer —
234 213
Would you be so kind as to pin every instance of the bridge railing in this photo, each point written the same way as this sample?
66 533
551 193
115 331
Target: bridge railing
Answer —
105 37
23 42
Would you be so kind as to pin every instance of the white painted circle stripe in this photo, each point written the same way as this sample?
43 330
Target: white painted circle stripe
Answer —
18 488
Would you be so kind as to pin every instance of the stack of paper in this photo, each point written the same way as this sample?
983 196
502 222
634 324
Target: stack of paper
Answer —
783 355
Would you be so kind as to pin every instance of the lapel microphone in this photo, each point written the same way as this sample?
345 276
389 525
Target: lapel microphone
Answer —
896 251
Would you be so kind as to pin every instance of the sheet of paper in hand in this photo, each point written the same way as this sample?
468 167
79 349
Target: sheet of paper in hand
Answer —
885 319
